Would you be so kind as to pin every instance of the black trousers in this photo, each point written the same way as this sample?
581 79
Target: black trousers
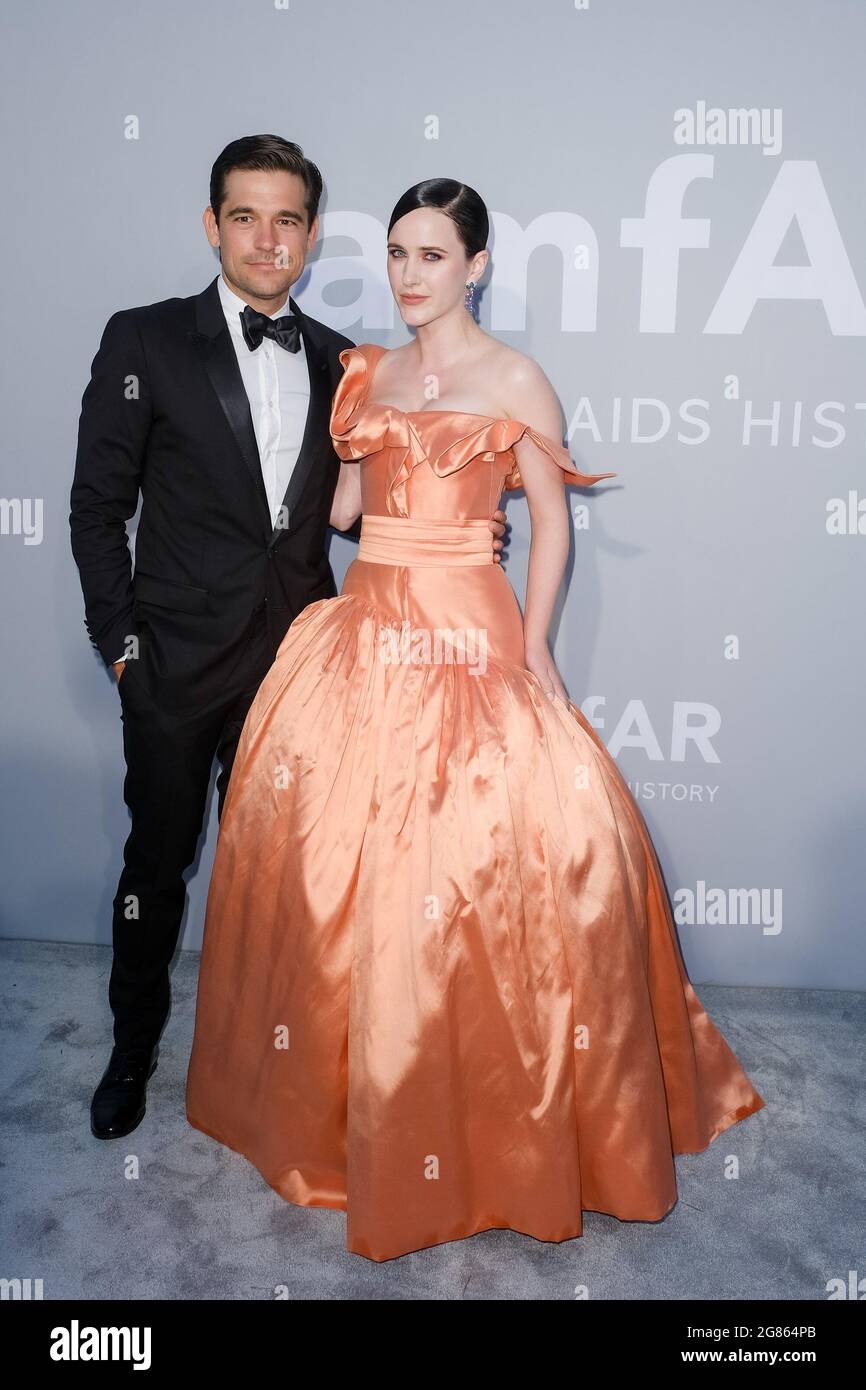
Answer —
169 759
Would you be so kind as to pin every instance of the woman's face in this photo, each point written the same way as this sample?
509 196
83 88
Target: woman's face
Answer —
428 266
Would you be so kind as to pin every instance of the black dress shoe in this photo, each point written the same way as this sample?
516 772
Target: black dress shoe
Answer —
118 1104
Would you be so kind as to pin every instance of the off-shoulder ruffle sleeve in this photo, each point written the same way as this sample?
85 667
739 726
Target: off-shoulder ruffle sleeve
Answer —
445 440
557 452
431 439
348 397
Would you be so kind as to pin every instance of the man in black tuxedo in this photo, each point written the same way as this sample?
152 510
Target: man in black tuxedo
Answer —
216 408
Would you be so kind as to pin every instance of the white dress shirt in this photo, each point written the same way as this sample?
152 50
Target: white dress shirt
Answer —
277 384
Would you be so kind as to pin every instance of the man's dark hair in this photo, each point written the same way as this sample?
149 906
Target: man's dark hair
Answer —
271 153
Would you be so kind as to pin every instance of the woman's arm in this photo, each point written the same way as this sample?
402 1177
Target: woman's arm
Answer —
347 496
532 400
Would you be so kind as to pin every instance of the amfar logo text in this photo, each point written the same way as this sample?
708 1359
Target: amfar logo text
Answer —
797 194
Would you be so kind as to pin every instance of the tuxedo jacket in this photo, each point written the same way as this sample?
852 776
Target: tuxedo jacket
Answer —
165 414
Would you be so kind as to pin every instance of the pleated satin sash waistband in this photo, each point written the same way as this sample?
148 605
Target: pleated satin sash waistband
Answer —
404 540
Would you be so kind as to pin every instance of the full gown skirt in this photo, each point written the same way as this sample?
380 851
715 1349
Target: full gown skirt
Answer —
440 985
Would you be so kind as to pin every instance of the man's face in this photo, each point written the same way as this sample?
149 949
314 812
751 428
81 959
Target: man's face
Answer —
262 235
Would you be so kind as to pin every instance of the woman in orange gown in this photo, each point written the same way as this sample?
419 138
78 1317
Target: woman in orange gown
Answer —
440 985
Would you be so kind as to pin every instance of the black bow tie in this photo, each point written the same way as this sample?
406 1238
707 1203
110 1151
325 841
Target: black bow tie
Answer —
285 331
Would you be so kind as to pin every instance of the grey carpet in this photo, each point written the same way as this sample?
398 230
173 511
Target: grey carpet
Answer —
200 1222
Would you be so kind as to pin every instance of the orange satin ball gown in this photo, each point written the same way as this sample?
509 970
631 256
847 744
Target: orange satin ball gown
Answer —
440 986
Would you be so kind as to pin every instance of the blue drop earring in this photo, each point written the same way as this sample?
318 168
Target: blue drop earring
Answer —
469 298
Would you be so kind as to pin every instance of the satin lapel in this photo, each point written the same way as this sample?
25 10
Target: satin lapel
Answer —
214 345
316 432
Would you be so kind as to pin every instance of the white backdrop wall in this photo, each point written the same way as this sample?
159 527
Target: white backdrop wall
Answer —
677 200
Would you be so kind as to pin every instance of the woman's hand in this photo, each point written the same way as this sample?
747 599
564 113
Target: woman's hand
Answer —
540 662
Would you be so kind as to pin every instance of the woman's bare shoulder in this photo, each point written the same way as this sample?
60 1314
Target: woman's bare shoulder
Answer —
522 384
393 363
518 368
